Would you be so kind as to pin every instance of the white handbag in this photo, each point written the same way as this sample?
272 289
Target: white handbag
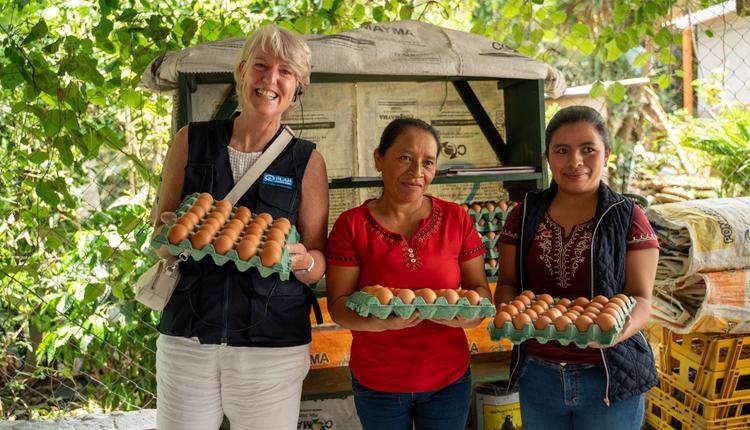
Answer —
156 285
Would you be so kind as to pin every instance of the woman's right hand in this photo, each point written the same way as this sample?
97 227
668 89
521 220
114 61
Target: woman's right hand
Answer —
165 218
394 322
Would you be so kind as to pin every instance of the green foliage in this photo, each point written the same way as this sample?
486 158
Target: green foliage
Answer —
81 148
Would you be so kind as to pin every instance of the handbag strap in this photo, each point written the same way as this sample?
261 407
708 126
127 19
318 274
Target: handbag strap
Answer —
265 160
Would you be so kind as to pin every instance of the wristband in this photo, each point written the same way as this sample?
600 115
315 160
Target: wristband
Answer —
307 270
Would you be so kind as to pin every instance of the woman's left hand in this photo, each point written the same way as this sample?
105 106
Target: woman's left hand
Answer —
620 337
460 322
300 258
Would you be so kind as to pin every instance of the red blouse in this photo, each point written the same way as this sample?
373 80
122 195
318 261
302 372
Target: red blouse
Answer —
428 356
561 266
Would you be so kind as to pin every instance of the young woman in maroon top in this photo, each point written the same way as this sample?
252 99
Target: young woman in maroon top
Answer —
562 386
406 373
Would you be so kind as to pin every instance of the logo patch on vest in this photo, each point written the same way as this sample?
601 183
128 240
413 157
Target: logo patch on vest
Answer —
278 181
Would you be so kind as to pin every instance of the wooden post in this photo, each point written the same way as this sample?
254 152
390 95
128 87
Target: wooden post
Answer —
687 68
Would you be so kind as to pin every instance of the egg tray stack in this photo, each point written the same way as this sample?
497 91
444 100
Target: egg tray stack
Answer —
365 304
489 218
571 334
282 268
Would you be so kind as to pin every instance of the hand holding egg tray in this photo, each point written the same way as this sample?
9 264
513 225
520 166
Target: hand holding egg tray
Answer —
281 263
580 321
381 302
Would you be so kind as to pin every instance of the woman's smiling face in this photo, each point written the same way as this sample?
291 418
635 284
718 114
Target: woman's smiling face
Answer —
409 165
270 85
577 157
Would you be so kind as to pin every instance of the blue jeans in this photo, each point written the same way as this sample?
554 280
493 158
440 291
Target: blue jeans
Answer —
443 409
556 397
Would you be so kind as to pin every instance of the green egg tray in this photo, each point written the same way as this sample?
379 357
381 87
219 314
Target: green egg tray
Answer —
282 268
570 335
365 305
487 215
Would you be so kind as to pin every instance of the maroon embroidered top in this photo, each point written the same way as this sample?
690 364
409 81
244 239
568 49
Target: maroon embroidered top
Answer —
428 356
561 267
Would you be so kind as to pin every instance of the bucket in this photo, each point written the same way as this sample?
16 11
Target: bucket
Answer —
496 408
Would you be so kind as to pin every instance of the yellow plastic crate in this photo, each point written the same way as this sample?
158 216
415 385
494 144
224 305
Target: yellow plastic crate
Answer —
709 351
735 408
665 413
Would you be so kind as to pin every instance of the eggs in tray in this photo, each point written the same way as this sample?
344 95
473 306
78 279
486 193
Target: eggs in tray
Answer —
581 321
444 304
207 227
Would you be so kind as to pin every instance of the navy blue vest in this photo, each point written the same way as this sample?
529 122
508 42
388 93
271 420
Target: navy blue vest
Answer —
220 304
629 364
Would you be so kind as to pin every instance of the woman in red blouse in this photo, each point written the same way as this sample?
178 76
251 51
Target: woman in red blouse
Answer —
579 238
406 373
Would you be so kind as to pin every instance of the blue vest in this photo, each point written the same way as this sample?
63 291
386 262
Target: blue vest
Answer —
220 304
629 364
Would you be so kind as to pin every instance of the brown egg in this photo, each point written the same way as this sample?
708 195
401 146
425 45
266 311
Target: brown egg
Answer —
236 224
476 207
384 295
564 301
576 308
243 214
560 307
490 206
212 223
510 309
481 222
224 205
218 216
562 323
451 296
275 234
265 216
370 289
501 318
203 203
606 322
583 323
199 211
490 235
572 315
545 298
581 301
492 262
595 305
623 297
283 224
473 297
521 298
521 306
255 240
612 311
553 313
530 312
247 249
272 255
542 322
591 315
502 205
228 231
539 309
272 244
602 300
520 321
207 197
201 239
618 302
255 229
189 220
406 295
223 244
177 233
528 293
615 308
427 294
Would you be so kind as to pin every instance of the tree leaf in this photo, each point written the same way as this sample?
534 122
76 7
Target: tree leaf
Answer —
641 59
597 89
38 157
616 92
47 194
663 81
92 292
38 31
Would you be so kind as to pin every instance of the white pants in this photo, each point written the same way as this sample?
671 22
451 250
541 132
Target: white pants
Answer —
256 388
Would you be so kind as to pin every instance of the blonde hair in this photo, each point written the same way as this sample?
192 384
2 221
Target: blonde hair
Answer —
280 43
